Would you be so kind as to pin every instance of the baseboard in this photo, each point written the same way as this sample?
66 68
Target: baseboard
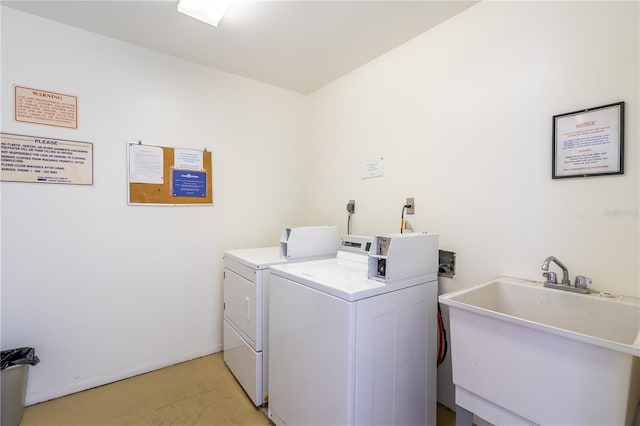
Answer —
99 381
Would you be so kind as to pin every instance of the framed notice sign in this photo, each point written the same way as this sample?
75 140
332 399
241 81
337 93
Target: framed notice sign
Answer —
45 160
589 142
38 106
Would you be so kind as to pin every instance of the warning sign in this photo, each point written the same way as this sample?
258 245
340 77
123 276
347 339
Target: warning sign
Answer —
42 107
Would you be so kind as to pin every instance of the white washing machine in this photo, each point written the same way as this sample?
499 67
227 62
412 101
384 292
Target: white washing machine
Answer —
349 350
245 289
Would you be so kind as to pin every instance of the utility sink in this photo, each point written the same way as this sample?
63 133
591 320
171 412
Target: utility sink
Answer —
526 354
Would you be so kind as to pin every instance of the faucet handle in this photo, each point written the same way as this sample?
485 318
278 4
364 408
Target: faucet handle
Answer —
582 282
551 277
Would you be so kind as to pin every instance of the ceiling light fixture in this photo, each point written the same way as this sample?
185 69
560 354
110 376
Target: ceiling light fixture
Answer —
209 11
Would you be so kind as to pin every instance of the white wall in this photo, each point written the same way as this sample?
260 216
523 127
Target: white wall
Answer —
462 116
104 290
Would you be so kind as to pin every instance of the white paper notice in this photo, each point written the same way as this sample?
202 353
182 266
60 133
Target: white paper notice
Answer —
371 168
188 159
145 164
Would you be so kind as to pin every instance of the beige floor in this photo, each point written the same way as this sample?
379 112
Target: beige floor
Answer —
198 392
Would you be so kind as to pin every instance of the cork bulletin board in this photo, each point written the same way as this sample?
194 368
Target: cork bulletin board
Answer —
154 178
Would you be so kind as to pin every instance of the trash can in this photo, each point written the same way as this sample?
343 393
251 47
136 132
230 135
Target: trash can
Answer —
13 383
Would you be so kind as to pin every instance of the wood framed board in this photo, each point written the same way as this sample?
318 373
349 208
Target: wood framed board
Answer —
169 176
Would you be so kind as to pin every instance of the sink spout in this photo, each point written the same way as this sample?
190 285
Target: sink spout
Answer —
565 272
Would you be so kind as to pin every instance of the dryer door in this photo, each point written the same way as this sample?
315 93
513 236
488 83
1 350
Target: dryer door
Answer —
240 305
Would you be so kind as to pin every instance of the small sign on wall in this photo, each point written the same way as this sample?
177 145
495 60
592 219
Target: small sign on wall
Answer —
45 160
371 168
43 107
188 183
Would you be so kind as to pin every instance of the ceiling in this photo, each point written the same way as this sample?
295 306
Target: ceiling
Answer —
296 45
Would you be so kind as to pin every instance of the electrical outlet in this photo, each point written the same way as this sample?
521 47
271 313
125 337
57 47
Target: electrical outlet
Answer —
410 210
351 206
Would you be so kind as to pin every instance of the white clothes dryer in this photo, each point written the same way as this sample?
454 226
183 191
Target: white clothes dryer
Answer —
245 296
245 344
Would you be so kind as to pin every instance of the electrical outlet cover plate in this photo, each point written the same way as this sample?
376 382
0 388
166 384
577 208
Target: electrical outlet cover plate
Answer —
412 209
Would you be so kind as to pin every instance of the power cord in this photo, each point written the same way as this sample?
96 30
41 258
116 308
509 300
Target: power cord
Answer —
443 345
402 221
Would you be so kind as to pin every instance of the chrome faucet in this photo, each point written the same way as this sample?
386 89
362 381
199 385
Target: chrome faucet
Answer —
565 272
552 281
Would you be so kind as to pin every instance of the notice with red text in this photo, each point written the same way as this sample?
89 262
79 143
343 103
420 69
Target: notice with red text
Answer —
43 107
588 143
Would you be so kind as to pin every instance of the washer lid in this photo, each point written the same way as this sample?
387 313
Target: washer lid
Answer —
342 278
264 257
257 258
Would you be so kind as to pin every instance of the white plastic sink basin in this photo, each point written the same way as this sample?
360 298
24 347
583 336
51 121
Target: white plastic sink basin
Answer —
605 320
526 354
